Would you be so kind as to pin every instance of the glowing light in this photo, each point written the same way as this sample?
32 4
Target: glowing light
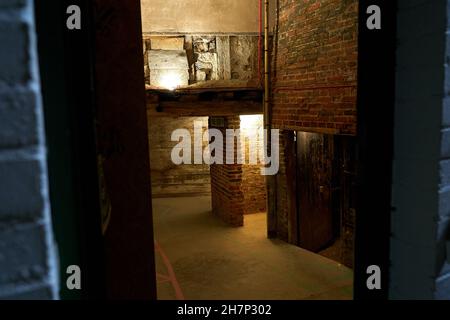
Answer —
170 80
251 122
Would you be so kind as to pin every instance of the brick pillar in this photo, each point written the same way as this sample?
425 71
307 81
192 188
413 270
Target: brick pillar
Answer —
27 253
226 180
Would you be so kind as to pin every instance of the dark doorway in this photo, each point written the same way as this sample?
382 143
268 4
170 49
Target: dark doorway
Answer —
122 130
314 179
322 193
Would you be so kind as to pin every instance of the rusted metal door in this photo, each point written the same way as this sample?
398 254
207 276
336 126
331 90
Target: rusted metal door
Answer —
314 178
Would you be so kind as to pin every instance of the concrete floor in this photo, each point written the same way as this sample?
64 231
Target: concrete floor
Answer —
334 252
199 257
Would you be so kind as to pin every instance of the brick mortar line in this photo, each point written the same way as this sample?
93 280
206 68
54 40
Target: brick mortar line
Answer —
28 153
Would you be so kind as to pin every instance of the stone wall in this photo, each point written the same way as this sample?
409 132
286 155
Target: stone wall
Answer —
27 253
168 179
189 59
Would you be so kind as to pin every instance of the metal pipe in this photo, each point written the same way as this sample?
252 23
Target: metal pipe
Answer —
270 180
266 66
260 44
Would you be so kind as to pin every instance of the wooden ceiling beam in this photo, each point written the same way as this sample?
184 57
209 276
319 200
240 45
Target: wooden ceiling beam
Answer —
205 108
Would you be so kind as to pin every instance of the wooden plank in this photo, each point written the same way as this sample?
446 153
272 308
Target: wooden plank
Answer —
181 195
208 108
272 221
291 174
314 164
197 90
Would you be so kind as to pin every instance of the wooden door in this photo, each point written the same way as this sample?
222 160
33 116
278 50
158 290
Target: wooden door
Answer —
123 150
314 178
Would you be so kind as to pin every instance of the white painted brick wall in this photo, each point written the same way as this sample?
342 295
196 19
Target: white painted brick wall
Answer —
28 268
443 227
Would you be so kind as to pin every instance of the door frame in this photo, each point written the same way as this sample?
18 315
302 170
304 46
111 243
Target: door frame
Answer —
67 67
340 145
66 72
375 114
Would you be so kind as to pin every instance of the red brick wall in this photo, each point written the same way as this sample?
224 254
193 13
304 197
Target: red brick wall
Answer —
226 179
253 189
315 68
